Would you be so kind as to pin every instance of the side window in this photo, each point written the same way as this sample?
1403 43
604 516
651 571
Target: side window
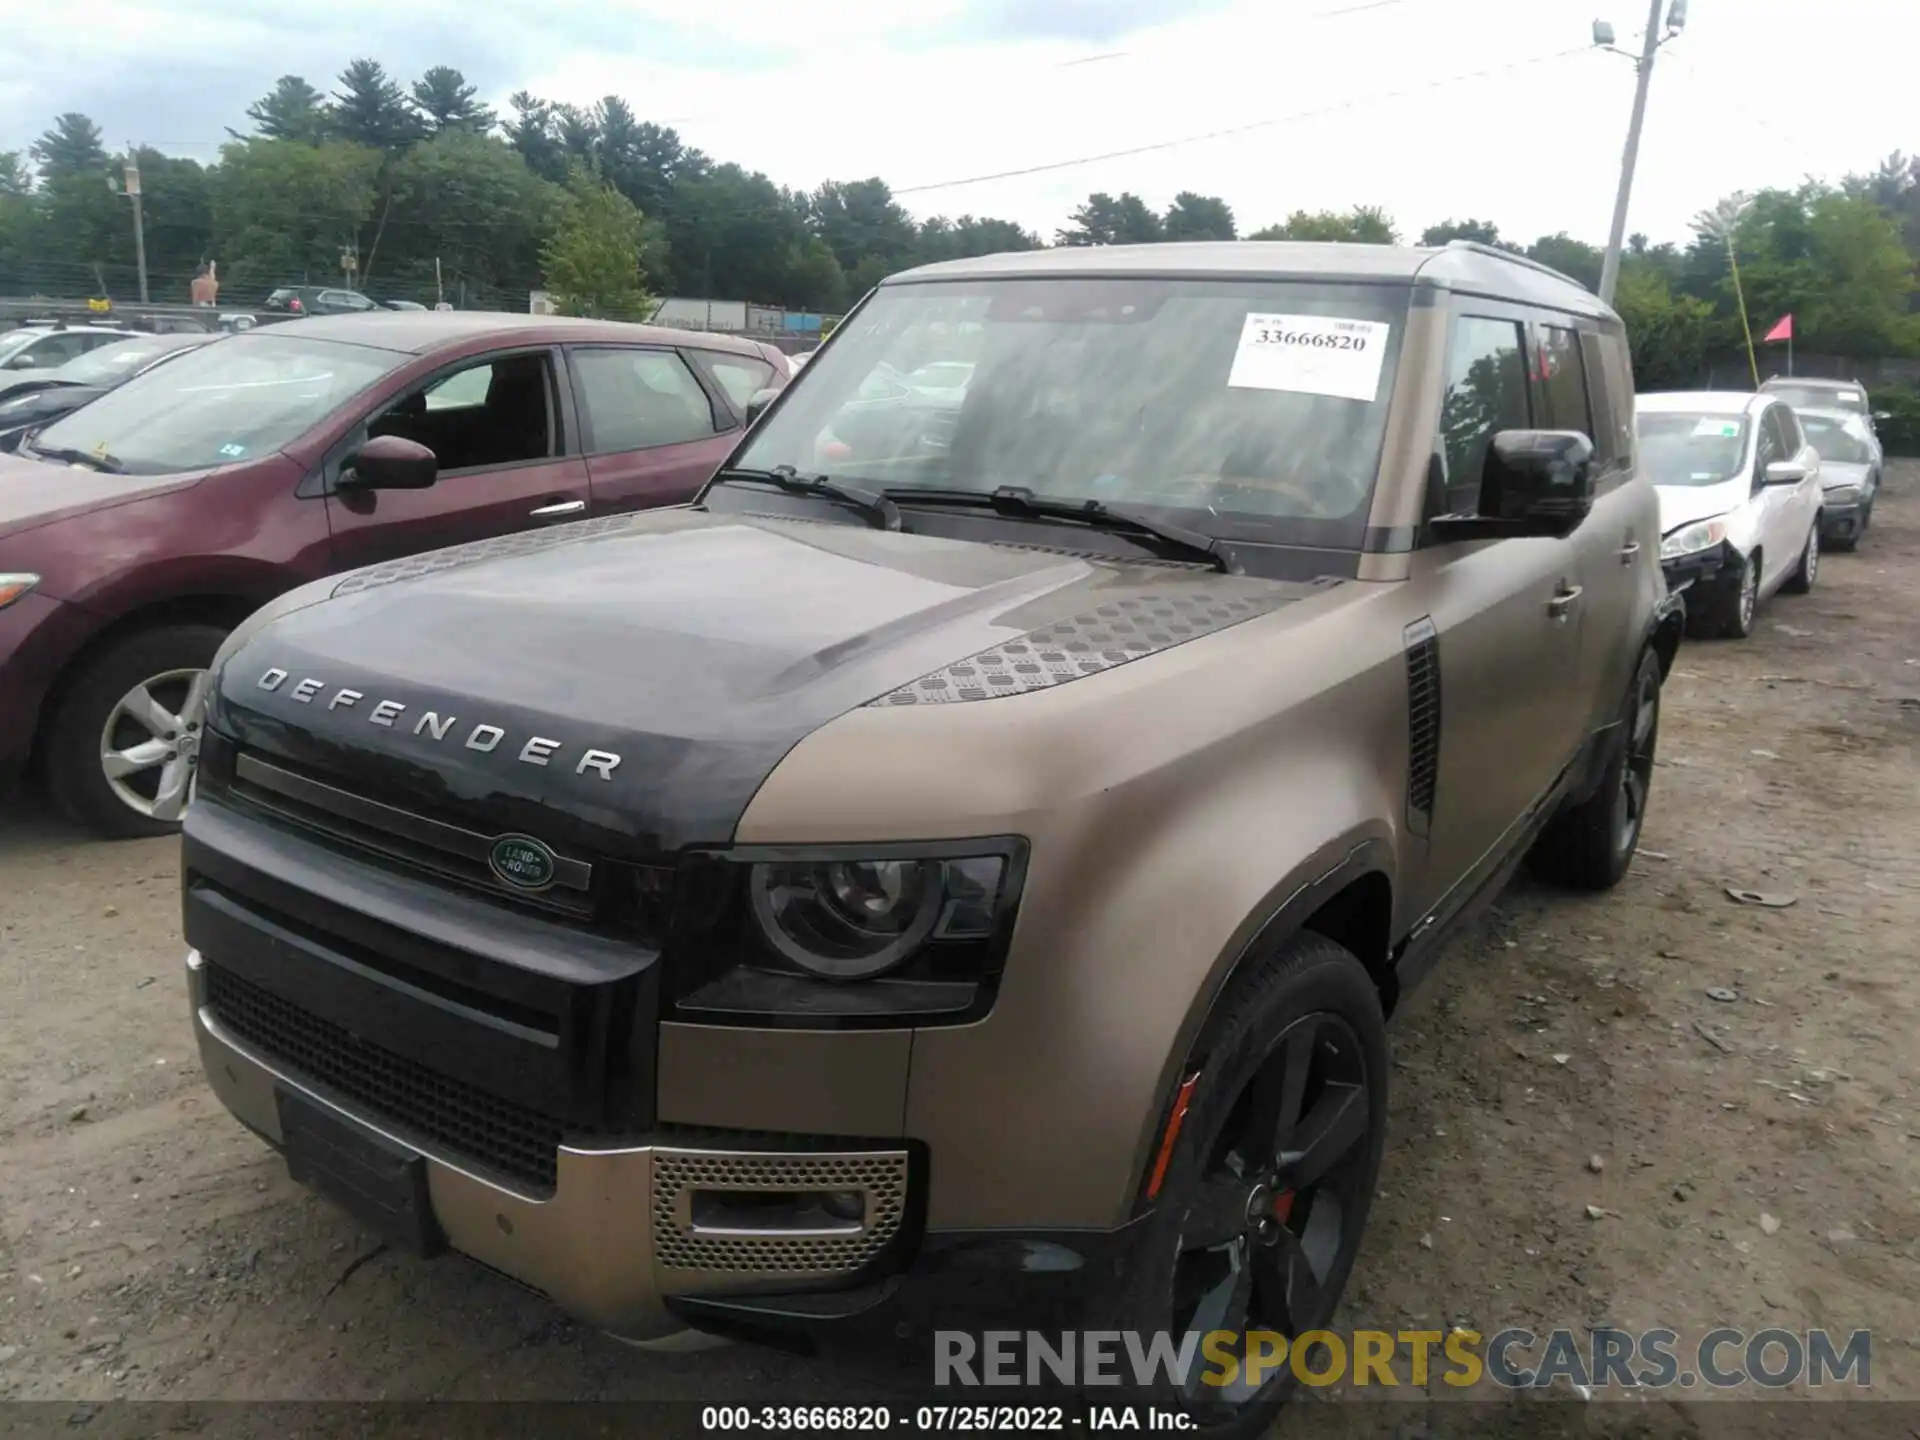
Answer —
1563 382
1612 406
1769 446
1791 436
496 412
637 399
1486 392
739 375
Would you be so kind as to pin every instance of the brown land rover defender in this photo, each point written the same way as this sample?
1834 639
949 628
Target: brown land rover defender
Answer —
963 863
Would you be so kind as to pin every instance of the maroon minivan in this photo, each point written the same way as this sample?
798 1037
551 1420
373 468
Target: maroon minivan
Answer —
137 531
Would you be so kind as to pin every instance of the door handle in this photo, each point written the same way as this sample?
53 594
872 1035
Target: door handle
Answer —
1628 551
558 509
1563 599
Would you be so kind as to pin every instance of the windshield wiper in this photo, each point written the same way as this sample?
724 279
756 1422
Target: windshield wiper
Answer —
94 459
874 504
1019 501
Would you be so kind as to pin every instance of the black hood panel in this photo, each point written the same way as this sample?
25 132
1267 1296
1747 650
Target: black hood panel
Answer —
696 648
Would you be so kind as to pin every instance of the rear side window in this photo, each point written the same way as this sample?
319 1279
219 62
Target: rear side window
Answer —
637 399
1563 382
740 376
1790 434
1486 393
1611 397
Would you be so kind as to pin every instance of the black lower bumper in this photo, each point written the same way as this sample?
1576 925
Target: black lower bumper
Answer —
1697 571
1843 522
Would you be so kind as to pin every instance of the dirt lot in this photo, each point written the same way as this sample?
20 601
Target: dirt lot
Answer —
1755 1161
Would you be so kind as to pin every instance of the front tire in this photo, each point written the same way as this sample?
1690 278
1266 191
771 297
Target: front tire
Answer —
123 740
1740 601
1589 846
1263 1204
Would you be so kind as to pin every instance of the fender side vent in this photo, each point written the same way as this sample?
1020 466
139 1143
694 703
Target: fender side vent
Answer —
1423 723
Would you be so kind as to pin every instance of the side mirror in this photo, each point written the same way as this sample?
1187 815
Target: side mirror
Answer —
391 462
761 399
21 362
1533 483
1786 472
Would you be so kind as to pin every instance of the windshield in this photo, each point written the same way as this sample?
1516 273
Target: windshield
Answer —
225 402
1246 409
1682 447
110 364
1837 440
11 345
1820 397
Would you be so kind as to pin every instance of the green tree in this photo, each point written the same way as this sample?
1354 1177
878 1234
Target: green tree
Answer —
530 132
1575 259
1198 217
859 220
1362 225
592 260
466 200
72 147
371 109
1668 335
448 102
1109 220
177 214
292 110
944 239
734 233
283 211
1483 232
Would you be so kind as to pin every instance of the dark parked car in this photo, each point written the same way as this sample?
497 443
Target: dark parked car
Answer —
191 495
320 300
44 398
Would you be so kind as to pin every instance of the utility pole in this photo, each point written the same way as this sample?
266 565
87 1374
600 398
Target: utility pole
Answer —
139 223
1643 64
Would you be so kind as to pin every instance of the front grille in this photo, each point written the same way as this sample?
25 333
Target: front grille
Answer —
679 1244
391 836
515 1143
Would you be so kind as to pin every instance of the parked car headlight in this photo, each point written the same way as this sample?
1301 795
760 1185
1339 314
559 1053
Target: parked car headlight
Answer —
841 935
1692 539
1844 494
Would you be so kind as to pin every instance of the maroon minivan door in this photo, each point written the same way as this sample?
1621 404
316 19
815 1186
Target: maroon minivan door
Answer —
493 421
653 430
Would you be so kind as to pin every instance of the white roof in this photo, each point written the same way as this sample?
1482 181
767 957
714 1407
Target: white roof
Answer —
1700 402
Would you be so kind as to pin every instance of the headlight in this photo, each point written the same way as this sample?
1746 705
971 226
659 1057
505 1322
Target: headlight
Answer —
865 935
15 584
1844 494
1692 539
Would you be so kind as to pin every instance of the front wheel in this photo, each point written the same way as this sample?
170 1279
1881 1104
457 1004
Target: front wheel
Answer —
122 744
1263 1204
1740 602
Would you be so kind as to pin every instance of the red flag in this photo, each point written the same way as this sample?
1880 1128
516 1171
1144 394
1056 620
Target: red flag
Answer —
1782 331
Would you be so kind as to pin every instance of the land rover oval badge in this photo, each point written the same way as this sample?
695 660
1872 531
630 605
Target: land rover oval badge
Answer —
522 862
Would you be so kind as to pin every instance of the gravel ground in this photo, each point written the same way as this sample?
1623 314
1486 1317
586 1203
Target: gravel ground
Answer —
1751 1161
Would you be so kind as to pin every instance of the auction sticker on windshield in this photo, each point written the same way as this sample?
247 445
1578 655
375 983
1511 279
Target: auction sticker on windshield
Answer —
1311 355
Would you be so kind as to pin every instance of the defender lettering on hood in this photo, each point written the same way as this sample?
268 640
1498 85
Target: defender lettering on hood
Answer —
433 726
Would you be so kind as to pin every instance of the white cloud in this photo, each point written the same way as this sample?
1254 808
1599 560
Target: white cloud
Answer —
1756 92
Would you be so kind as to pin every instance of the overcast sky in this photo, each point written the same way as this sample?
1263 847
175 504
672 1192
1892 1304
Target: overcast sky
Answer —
1334 102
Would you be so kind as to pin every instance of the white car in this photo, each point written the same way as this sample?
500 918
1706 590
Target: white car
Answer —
1740 501
32 351
1850 464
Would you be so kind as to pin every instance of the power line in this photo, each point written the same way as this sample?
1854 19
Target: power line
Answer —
1233 130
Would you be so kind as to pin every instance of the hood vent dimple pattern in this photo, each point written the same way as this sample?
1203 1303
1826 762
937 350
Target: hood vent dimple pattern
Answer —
1423 723
1086 644
523 542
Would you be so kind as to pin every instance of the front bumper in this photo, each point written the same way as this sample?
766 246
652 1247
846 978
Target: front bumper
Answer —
1842 521
1702 568
620 1232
